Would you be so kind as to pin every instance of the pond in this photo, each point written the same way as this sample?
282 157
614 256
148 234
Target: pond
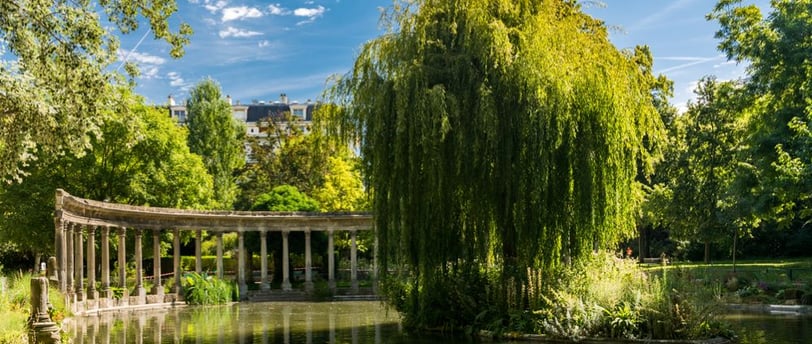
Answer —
764 328
362 322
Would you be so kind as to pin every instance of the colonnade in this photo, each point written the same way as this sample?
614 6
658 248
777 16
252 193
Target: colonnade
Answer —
80 222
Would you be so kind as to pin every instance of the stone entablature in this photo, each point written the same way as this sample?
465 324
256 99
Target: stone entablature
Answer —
78 222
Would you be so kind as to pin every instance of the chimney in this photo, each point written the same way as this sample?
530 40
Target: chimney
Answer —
228 99
283 98
171 100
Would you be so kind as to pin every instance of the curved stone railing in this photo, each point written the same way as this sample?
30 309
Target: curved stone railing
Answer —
78 222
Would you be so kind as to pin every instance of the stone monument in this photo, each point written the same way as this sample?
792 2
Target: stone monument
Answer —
41 329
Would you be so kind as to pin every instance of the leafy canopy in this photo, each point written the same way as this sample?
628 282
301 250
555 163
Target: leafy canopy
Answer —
139 157
216 136
54 75
285 198
496 135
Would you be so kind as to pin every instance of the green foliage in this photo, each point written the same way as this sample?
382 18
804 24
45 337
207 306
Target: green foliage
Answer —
15 305
343 189
694 198
138 156
610 297
201 289
54 71
286 156
496 137
777 167
285 198
216 136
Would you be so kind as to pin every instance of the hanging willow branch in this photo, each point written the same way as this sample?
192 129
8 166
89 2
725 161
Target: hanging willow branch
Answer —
496 135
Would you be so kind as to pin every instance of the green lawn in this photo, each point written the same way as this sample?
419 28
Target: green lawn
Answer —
755 281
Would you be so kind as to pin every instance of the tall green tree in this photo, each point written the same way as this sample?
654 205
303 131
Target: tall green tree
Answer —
138 157
216 136
285 155
777 173
54 75
708 141
498 137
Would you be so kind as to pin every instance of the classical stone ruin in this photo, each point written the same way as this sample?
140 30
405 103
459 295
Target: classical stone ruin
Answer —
79 223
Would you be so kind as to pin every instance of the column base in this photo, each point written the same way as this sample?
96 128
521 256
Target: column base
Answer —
92 295
308 286
355 286
286 286
332 285
265 286
158 290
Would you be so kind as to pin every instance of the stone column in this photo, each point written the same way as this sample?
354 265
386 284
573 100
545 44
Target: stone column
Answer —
157 287
331 261
285 262
198 251
354 261
241 256
139 269
105 262
79 263
60 251
308 263
122 259
263 257
176 260
220 255
70 259
91 263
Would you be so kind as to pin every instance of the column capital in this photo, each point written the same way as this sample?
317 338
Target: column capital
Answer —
122 231
91 230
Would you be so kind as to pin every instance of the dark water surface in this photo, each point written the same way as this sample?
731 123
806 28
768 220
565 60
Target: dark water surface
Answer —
362 322
763 328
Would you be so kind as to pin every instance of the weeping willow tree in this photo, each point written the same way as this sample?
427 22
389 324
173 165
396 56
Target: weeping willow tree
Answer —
500 139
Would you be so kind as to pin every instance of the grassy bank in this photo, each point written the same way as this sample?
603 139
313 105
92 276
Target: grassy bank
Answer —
15 307
753 281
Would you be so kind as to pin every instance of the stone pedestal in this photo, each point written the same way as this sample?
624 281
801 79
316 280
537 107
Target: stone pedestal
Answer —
41 329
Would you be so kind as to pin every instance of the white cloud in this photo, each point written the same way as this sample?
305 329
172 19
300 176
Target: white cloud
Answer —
209 21
175 80
148 64
242 12
234 32
277 10
140 58
263 43
150 72
309 12
213 6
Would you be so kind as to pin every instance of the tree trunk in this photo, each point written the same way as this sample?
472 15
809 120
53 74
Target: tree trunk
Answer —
735 239
707 252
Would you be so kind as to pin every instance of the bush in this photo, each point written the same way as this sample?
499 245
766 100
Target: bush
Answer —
200 289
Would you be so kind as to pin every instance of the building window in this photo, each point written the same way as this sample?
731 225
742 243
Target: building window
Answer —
180 115
298 112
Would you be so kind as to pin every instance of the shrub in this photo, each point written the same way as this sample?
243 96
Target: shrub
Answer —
201 289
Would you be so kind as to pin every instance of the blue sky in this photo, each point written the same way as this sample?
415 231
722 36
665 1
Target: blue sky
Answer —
259 49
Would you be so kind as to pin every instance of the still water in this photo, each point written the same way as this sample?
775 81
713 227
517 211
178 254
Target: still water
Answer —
337 322
762 328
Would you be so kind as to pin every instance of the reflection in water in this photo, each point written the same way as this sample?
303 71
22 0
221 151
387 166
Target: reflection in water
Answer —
771 328
342 322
